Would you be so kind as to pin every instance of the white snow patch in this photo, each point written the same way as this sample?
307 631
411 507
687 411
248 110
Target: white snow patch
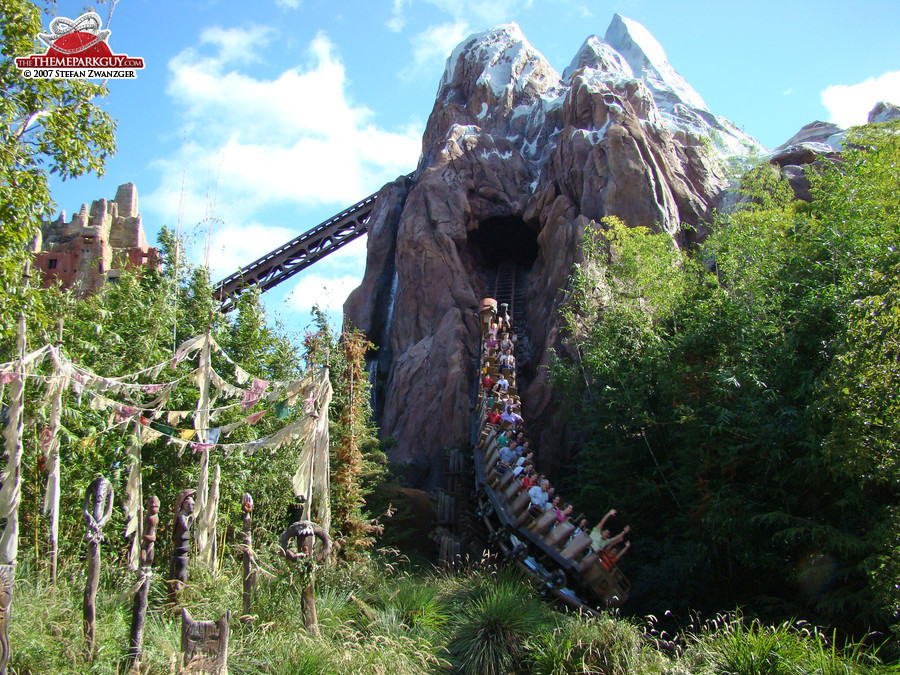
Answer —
648 61
485 154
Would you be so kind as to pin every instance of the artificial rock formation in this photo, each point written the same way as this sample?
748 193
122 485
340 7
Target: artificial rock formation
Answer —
516 162
815 143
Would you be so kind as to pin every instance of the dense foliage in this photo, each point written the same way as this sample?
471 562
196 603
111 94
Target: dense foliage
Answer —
137 322
46 127
738 403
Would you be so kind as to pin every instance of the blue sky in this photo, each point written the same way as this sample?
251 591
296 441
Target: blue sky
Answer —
297 108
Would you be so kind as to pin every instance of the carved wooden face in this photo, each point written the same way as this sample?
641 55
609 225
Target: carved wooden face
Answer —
182 498
203 636
100 492
6 591
153 506
205 642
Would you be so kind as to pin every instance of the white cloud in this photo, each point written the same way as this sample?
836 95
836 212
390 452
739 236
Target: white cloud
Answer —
236 45
235 246
432 46
328 293
288 4
265 149
398 20
788 91
850 104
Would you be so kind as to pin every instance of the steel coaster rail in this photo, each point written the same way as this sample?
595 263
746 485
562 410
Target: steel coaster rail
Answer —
559 577
299 253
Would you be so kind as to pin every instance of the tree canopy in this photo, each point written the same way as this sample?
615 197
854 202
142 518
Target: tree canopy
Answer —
739 402
47 126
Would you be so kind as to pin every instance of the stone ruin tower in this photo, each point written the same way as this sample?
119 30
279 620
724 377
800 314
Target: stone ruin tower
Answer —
95 246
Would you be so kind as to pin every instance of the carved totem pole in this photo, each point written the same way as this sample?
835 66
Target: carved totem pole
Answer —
181 542
98 506
305 532
7 577
249 572
139 613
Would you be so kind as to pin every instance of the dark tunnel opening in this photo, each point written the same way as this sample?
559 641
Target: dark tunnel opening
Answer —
503 251
503 240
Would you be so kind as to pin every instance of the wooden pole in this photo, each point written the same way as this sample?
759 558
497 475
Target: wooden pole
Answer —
249 572
181 542
308 594
7 578
98 505
139 612
305 532
52 468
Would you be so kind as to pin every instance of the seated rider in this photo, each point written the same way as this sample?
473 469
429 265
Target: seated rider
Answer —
582 527
538 495
503 317
612 554
529 481
512 416
602 538
502 384
562 515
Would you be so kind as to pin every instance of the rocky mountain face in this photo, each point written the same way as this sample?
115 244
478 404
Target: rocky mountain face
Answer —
516 162
815 143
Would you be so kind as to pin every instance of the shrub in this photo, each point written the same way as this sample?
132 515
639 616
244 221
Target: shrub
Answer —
591 646
492 627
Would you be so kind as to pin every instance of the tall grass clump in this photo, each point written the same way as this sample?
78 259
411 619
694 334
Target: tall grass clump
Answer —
493 622
418 604
584 645
738 646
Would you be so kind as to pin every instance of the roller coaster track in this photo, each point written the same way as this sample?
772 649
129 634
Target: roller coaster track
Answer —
299 253
499 517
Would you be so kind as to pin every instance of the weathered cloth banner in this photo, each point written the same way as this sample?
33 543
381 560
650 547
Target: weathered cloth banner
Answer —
311 482
58 383
204 519
11 492
207 555
134 499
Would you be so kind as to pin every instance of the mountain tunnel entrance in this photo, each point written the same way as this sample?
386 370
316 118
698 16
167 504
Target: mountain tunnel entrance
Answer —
503 252
503 240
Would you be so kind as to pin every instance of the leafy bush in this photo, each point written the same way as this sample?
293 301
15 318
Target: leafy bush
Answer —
592 646
734 645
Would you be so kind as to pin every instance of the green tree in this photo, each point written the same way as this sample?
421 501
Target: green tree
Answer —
744 419
357 461
46 127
